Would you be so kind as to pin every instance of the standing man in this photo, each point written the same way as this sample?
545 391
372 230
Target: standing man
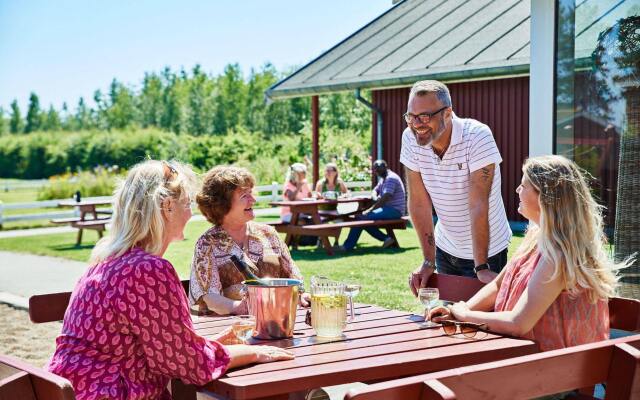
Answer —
389 196
452 164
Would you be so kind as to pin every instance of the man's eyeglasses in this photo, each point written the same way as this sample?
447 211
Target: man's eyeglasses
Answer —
468 329
423 118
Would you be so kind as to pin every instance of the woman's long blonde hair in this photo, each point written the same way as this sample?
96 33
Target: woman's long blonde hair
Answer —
137 207
570 234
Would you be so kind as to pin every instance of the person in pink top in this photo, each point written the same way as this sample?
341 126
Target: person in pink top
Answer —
556 287
296 187
127 330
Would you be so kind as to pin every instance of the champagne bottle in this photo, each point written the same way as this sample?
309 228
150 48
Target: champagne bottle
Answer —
245 270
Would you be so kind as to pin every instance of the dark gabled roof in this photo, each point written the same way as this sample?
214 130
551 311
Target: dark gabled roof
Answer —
447 40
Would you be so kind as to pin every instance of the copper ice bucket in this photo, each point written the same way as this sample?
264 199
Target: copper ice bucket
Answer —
274 306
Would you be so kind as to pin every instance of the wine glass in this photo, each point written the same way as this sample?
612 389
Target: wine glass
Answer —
243 327
429 297
351 289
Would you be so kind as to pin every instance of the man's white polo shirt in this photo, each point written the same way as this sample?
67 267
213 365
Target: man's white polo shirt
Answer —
447 182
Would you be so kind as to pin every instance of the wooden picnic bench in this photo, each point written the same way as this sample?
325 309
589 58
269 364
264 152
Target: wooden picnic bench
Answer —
86 209
615 361
19 380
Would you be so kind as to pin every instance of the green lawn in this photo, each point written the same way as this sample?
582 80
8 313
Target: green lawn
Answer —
383 273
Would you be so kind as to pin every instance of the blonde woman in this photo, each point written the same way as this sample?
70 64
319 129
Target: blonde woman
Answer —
555 290
127 330
296 187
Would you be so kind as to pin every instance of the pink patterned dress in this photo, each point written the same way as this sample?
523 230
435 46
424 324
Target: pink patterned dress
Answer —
569 321
128 331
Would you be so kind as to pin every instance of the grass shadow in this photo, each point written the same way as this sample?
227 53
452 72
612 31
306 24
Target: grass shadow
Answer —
72 247
314 253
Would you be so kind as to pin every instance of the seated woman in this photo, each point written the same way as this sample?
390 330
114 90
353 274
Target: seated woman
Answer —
331 183
555 289
127 330
296 187
227 202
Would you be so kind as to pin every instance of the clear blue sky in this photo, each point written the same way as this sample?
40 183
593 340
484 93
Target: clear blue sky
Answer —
65 49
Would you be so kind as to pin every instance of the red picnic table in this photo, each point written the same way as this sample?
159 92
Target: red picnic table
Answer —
381 344
322 227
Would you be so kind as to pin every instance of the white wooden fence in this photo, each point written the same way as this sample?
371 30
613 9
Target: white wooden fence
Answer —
274 193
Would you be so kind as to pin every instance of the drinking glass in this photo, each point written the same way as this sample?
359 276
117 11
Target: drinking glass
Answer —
243 327
351 289
429 297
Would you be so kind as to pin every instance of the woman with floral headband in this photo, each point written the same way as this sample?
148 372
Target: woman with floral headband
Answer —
560 279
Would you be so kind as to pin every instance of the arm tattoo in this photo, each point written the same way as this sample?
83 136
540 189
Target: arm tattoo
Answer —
431 240
486 173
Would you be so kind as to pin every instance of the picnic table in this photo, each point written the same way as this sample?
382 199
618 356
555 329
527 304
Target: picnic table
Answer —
322 225
381 344
89 217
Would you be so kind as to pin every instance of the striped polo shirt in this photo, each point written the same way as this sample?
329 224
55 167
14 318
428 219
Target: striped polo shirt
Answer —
447 182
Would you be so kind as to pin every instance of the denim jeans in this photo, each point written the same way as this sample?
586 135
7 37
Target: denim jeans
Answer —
378 213
450 265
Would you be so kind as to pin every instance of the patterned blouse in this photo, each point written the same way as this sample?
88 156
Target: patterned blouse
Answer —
569 321
213 272
127 332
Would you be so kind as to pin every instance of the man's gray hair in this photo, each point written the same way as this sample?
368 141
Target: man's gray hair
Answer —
422 88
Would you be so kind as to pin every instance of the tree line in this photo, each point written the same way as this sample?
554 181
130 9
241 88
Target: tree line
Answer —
191 102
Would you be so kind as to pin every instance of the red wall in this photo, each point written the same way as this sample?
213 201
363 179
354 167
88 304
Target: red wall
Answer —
502 104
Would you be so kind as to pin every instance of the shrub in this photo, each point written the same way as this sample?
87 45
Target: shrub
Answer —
99 182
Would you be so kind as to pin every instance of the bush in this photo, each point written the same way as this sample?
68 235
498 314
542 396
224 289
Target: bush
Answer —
99 182
59 154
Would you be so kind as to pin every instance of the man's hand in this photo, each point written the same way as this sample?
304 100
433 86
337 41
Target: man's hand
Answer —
486 275
419 278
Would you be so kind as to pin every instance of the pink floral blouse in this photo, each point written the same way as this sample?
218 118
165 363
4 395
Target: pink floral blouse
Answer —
213 272
127 332
569 321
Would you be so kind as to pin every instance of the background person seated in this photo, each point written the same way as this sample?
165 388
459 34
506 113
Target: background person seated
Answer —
389 196
331 185
227 201
296 187
555 290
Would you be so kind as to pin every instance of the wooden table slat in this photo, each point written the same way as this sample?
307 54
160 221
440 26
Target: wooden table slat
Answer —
373 368
381 344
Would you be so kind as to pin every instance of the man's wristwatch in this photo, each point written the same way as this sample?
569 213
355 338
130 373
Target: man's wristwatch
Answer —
428 264
480 267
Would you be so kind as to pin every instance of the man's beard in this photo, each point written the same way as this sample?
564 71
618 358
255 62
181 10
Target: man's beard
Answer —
426 140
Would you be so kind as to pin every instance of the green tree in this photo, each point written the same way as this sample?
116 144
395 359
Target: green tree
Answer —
122 110
255 115
34 114
201 107
231 99
82 119
3 123
16 124
174 118
150 101
52 120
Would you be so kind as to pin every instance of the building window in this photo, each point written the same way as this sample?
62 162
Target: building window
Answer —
598 107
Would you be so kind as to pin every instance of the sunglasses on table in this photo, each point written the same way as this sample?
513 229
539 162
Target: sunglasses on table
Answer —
468 329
